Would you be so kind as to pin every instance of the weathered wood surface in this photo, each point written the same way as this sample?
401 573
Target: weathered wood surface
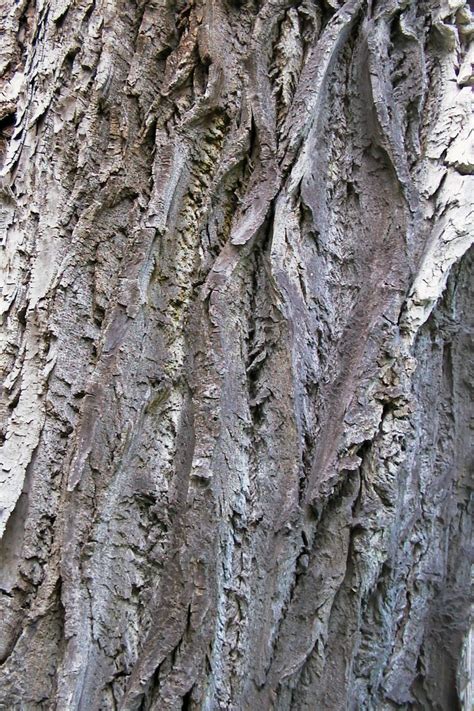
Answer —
237 313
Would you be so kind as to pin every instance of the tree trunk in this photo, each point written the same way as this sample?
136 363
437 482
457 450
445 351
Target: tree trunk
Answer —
237 311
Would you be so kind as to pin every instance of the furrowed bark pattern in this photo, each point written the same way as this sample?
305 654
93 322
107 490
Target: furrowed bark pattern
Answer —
237 313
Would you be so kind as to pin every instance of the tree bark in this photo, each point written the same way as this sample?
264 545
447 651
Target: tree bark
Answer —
237 313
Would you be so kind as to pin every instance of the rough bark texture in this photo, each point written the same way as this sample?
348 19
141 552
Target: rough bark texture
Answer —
237 313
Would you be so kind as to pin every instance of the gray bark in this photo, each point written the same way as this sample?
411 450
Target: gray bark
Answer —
237 313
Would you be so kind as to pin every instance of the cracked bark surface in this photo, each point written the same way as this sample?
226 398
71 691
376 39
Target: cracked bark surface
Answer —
237 319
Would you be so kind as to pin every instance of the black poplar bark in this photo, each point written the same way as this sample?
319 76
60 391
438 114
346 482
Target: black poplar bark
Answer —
237 321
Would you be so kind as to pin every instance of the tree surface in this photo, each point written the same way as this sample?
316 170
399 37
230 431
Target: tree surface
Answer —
237 386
